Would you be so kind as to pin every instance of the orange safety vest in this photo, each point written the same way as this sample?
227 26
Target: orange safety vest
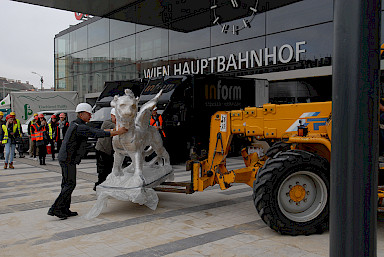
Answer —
38 135
153 122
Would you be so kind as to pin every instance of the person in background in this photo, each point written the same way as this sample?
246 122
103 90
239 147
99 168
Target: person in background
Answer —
157 122
61 130
38 130
71 152
32 139
19 146
52 128
8 138
2 122
104 151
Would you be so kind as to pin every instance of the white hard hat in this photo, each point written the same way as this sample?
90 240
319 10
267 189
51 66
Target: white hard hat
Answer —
113 111
84 107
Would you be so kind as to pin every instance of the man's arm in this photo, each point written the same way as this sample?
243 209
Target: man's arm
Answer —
96 133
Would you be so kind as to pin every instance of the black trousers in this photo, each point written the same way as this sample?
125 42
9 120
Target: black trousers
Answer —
2 150
42 151
68 184
59 143
104 163
52 143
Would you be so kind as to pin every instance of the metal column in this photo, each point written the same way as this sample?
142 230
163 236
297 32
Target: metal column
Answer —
355 115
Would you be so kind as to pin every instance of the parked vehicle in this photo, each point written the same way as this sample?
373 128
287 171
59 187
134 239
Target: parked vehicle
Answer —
26 103
112 88
188 102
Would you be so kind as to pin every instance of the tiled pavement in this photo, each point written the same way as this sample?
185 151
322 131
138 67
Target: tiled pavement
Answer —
209 223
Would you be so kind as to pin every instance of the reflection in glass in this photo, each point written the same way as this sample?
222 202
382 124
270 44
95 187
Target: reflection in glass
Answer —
317 46
122 51
124 72
80 84
98 57
151 43
182 42
61 84
62 45
257 28
98 32
61 68
78 39
78 63
299 14
120 29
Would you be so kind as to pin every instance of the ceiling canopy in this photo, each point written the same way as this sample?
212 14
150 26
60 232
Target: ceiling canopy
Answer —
179 15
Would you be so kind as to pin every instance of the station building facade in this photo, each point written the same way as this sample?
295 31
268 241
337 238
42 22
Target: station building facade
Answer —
290 46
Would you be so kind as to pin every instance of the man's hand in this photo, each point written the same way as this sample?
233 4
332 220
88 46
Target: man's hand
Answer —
120 131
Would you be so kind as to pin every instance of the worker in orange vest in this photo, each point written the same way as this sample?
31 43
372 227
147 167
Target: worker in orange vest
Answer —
39 132
32 139
157 122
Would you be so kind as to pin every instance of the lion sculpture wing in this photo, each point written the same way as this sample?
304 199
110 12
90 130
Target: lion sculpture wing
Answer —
144 115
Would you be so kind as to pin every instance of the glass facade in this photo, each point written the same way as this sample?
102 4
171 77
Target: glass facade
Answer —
296 36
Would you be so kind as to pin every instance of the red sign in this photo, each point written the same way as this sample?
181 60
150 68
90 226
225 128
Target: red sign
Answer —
80 16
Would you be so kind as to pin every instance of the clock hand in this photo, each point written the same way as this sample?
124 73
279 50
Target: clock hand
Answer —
234 3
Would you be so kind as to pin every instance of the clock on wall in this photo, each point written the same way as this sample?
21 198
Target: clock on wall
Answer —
235 6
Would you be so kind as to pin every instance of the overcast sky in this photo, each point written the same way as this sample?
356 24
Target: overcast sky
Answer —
27 40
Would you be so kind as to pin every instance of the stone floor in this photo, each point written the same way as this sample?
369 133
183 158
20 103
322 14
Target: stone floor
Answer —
209 223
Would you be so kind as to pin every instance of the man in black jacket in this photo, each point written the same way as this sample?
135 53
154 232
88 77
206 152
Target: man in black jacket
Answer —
71 153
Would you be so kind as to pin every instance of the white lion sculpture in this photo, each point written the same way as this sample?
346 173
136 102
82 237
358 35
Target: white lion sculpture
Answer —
140 135
130 184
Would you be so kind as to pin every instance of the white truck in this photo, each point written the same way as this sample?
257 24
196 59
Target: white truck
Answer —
26 103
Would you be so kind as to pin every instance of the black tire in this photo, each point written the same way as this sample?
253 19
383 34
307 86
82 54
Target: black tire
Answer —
277 147
291 193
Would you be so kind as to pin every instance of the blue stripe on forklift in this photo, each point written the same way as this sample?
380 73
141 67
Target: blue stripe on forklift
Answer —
316 119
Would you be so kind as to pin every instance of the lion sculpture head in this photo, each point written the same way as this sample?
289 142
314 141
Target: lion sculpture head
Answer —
126 106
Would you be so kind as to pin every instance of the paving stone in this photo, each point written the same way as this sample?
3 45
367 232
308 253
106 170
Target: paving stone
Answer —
209 223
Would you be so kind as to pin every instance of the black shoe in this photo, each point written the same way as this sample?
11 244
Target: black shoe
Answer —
71 213
58 214
94 188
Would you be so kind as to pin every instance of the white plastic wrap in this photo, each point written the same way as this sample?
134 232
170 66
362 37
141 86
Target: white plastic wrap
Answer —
129 188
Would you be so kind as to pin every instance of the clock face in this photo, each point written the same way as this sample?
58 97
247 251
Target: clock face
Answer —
226 10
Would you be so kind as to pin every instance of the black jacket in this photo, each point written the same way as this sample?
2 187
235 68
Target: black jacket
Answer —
74 144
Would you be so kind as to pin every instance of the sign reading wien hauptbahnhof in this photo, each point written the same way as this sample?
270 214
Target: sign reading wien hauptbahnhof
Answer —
243 60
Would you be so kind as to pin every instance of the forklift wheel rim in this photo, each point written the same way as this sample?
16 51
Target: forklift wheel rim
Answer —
314 202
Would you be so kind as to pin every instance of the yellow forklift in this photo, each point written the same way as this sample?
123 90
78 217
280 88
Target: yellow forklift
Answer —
290 179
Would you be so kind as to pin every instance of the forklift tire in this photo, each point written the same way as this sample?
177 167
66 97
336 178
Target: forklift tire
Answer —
277 147
291 193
